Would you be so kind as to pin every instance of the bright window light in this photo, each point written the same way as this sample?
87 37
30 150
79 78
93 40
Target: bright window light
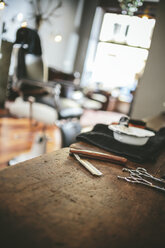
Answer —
122 52
130 30
2 5
118 65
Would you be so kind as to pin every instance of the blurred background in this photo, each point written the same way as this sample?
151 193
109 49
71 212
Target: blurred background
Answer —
107 56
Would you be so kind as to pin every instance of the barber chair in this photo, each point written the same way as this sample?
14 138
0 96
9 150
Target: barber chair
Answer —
38 98
28 77
100 96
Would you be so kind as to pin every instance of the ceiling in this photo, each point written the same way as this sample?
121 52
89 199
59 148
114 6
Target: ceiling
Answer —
149 7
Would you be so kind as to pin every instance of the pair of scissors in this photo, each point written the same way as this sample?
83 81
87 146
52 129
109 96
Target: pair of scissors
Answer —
136 178
143 172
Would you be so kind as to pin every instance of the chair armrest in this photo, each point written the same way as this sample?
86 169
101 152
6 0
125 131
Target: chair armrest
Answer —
41 84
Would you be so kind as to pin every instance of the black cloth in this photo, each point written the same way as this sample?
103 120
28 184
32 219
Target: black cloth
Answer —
21 68
101 136
31 38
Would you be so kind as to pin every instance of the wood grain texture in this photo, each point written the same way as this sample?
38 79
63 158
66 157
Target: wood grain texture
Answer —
98 155
17 136
52 201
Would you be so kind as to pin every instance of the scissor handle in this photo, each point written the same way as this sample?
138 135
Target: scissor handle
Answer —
141 169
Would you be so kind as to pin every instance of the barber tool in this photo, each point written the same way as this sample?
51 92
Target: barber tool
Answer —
136 177
99 155
143 172
131 135
88 166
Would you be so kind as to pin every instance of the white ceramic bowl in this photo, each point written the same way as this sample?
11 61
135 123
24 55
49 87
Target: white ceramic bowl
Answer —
131 135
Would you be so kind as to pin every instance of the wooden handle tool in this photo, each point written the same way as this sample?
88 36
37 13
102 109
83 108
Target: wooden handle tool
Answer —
99 155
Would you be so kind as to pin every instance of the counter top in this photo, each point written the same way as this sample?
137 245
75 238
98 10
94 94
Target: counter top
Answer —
52 201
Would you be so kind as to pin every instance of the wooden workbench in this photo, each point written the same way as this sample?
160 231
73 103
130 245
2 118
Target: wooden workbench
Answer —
51 201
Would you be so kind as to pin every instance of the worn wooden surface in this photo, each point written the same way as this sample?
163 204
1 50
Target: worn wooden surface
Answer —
52 201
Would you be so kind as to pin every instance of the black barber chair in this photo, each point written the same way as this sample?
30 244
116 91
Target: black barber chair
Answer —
39 98
28 76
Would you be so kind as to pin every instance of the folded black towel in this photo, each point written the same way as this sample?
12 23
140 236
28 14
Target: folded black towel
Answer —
101 136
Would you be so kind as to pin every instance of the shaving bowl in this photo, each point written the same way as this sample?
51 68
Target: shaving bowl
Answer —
131 135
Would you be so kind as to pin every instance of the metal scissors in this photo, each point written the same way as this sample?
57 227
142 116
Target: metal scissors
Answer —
136 176
133 178
143 172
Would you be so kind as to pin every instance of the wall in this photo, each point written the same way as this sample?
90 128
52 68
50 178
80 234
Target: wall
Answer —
6 48
1 18
62 55
66 22
84 33
150 94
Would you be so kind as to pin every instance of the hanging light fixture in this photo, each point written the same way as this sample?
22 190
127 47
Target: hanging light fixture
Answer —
130 6
2 4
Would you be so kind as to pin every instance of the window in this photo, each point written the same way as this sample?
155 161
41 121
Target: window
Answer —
121 52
